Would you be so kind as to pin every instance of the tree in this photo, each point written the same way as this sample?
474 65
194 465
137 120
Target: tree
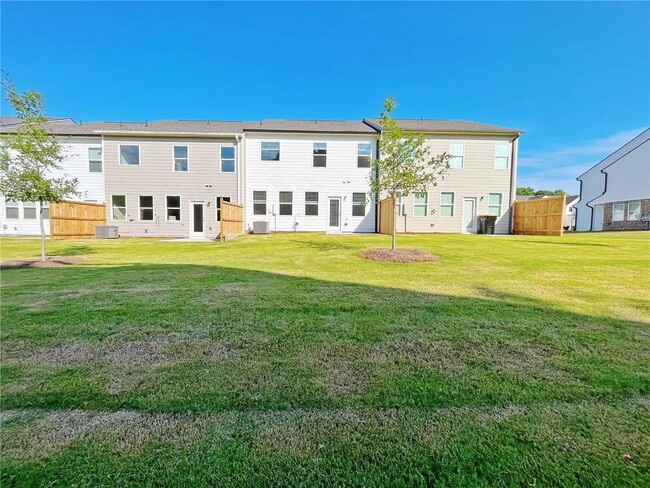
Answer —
526 190
31 156
530 191
405 164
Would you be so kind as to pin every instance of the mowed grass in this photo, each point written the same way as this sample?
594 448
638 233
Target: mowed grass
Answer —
287 360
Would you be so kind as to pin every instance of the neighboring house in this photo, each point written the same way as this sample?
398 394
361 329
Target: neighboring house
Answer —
481 179
615 193
570 212
310 175
83 150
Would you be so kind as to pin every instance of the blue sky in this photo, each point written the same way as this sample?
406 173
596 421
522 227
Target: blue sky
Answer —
574 76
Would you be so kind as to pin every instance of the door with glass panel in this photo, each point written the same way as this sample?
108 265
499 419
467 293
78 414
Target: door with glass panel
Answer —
469 215
197 219
333 214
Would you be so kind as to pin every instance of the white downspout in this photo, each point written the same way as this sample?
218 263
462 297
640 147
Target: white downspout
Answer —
513 183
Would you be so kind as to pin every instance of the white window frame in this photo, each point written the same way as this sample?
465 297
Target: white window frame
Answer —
233 159
451 205
498 156
461 155
33 206
152 208
126 208
180 209
500 205
174 158
622 207
15 205
119 155
314 155
45 206
262 151
280 203
369 156
359 204
400 206
260 202
312 202
101 160
426 204
217 207
628 211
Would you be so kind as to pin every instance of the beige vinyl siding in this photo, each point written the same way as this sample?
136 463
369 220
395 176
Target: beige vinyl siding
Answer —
477 179
155 176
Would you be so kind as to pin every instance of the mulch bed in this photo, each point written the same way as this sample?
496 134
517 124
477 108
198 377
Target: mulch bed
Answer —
399 255
50 263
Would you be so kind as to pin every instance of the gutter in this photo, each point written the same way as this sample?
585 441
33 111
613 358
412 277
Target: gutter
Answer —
513 182
166 134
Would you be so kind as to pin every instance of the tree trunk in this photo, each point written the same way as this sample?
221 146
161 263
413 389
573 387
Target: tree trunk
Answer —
40 218
393 247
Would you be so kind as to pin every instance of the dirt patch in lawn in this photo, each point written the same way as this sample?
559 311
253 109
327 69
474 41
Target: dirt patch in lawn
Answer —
399 255
50 263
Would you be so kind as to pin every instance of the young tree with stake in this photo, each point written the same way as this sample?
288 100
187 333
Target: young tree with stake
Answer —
30 157
404 164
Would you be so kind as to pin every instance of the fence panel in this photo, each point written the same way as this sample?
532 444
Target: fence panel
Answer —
386 216
75 220
541 217
232 219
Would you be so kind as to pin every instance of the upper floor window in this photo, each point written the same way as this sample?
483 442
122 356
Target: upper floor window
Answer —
219 200
420 203
311 203
227 159
146 207
270 151
320 154
634 211
29 210
495 201
118 207
286 203
12 210
181 158
501 156
129 155
364 153
447 204
259 203
358 204
457 155
95 159
173 204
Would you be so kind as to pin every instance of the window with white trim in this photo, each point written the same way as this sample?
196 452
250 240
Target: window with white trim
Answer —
320 154
259 203
420 204
29 210
447 204
45 207
146 207
95 159
286 203
270 151
181 158
495 201
12 209
118 207
227 159
219 200
173 206
501 156
634 211
129 155
618 212
358 204
456 155
364 153
401 207
311 203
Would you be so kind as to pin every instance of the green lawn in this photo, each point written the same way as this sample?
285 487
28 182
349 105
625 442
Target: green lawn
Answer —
288 360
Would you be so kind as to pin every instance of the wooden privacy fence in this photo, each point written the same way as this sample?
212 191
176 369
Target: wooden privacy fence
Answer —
76 220
540 217
386 216
232 219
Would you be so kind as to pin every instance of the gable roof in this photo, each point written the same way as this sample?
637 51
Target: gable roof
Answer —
444 126
619 153
319 126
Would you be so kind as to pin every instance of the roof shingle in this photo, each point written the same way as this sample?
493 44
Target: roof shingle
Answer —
446 126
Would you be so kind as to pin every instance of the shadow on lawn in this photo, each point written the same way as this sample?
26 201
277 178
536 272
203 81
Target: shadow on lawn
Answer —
188 337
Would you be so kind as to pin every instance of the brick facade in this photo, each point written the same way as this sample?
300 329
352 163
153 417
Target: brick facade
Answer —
609 224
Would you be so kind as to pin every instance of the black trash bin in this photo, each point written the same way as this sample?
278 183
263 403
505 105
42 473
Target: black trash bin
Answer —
482 228
490 224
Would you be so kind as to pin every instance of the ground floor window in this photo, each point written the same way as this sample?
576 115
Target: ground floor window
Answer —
494 204
118 207
13 212
173 207
618 212
400 206
311 202
45 206
634 211
219 200
29 210
447 204
259 203
286 203
146 208
358 204
420 203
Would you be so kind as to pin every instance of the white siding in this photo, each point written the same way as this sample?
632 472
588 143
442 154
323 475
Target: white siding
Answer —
91 185
295 173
